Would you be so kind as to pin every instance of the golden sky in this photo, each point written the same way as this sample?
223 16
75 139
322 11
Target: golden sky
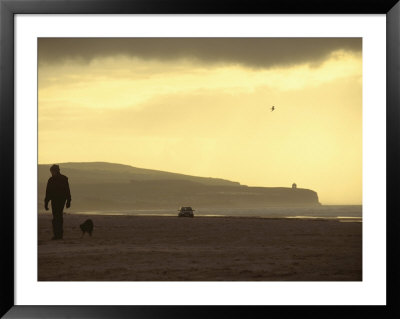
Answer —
203 107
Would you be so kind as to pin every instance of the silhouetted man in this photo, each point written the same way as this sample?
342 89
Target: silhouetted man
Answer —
57 191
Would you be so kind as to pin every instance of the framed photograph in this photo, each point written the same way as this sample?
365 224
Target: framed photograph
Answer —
172 159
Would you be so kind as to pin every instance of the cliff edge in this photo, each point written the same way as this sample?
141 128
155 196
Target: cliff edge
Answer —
107 186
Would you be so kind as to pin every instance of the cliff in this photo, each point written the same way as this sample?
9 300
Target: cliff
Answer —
106 186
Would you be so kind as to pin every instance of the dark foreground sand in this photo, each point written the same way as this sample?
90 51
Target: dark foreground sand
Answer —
149 248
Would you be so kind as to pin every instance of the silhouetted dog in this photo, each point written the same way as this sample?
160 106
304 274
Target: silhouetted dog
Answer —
87 226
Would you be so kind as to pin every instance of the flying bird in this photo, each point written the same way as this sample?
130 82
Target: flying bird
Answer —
272 108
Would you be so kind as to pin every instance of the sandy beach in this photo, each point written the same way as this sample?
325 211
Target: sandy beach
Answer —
165 248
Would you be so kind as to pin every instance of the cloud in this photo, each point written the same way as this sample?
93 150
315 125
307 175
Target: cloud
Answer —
213 114
250 52
111 83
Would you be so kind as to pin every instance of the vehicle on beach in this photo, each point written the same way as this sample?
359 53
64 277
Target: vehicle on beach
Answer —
186 212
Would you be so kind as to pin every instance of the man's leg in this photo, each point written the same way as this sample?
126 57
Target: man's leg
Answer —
54 225
59 224
58 207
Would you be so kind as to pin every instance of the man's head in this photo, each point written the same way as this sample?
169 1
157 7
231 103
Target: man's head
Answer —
55 170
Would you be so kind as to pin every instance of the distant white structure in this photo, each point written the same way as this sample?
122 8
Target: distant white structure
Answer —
294 186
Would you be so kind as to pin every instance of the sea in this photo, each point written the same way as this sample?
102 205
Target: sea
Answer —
349 213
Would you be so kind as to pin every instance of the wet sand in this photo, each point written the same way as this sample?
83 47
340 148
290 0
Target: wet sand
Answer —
160 248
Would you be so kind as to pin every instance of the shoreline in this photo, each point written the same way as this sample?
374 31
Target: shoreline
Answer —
327 218
348 213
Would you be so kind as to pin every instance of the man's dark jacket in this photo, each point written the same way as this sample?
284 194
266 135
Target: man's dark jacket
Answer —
57 189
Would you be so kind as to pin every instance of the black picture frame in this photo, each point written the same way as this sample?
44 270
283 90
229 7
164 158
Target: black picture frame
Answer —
8 8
